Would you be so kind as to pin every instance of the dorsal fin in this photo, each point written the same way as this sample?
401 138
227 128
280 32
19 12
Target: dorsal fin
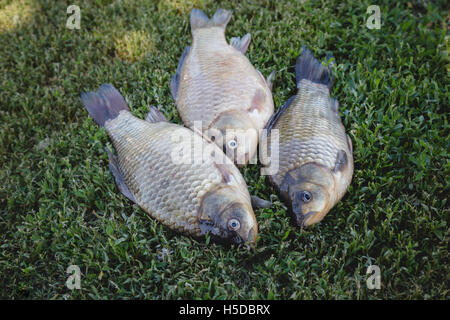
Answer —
274 118
175 82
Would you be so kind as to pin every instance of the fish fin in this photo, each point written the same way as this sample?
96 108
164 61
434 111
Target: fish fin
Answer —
200 20
335 106
350 144
308 67
341 161
221 18
224 171
257 202
241 44
104 104
284 187
118 177
270 79
274 118
175 82
155 115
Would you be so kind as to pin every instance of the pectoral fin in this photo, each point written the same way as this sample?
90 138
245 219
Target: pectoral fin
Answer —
257 202
335 106
270 79
350 144
341 161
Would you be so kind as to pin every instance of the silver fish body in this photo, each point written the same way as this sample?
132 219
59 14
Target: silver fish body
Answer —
315 159
193 197
217 86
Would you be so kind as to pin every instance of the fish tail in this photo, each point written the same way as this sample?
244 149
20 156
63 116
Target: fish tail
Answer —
221 18
200 20
104 104
308 67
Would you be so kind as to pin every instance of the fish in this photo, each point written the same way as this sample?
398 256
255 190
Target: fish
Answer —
216 86
315 155
204 195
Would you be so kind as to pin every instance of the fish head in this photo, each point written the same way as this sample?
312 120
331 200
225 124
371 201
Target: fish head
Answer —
308 190
235 133
228 216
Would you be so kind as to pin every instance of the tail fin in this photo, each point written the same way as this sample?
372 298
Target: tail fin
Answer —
308 67
104 104
200 20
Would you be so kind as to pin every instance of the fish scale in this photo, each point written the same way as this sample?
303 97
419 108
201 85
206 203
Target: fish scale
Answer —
212 89
311 132
144 158
200 192
314 166
216 84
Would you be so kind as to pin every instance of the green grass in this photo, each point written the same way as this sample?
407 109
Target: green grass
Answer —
59 205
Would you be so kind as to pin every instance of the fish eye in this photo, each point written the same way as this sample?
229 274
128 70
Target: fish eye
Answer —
306 196
232 144
234 224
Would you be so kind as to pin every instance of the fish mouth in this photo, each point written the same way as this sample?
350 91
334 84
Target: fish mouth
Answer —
221 235
240 240
301 220
233 239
